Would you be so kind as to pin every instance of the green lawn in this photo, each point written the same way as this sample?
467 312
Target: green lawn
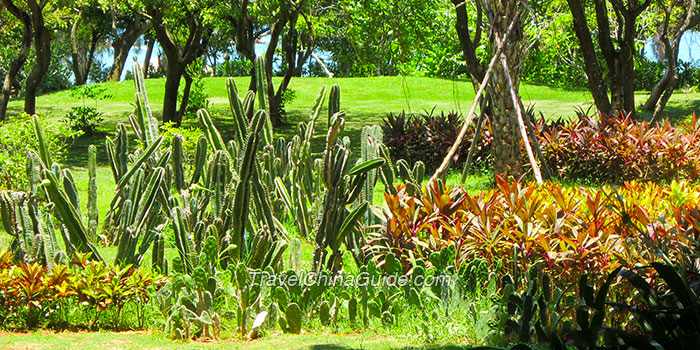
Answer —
146 340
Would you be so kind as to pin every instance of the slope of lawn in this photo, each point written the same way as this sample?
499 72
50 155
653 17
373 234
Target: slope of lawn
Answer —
366 100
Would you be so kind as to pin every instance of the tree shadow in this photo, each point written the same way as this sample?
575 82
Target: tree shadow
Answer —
344 347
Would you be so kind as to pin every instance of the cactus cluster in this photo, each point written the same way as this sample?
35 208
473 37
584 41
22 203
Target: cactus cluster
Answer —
188 304
29 217
343 186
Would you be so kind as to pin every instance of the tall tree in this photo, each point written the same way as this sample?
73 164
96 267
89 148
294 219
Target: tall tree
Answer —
183 29
291 29
246 28
678 17
617 47
89 28
42 36
24 29
127 26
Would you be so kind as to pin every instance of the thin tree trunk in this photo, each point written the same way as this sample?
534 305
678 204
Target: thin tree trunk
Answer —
76 57
147 59
185 97
596 84
172 85
121 52
663 90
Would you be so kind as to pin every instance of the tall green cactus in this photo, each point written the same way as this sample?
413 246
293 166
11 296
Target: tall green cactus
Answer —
371 140
343 187
92 211
241 203
75 233
139 220
333 103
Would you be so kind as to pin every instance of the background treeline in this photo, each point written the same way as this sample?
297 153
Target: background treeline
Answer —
51 45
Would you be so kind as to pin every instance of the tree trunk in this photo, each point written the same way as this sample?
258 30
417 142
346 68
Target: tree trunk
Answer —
121 52
123 41
42 52
172 85
596 83
185 98
506 140
147 59
627 69
81 60
476 70
662 91
658 90
15 66
275 107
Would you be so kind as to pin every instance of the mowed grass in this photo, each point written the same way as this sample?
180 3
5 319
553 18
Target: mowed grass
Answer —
148 340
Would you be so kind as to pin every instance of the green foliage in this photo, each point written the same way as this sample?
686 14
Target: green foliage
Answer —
84 294
86 118
428 138
18 139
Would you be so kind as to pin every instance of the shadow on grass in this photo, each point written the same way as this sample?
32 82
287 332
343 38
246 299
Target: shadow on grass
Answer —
676 113
343 347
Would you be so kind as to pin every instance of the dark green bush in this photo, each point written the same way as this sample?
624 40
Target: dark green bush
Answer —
428 138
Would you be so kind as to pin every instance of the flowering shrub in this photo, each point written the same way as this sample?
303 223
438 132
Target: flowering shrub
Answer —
567 231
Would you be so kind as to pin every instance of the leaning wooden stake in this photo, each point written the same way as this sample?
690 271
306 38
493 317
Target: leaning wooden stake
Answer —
521 123
442 170
472 149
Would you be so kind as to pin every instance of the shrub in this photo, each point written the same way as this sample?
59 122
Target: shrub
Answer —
428 138
17 139
86 118
614 151
568 231
31 295
622 149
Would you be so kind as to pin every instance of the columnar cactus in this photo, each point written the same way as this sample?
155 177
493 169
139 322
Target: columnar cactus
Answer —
92 211
343 187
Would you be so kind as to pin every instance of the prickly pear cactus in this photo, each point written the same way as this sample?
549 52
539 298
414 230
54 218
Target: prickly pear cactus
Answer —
293 317
324 313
